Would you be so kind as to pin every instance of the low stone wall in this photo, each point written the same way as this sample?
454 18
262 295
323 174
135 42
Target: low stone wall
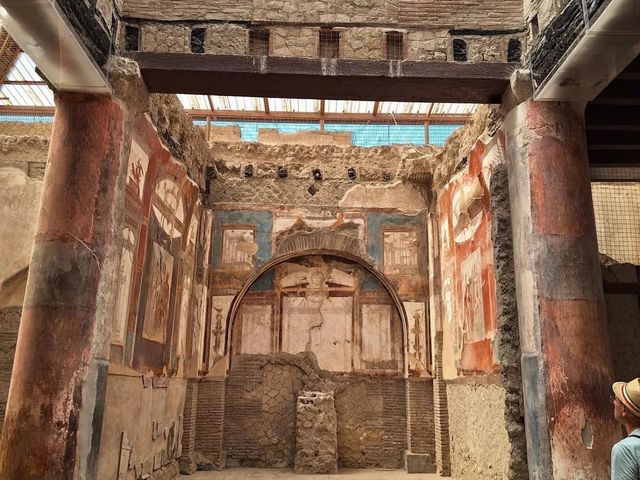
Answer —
480 448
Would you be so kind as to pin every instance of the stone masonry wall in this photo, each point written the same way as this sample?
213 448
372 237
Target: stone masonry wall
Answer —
451 13
376 167
260 416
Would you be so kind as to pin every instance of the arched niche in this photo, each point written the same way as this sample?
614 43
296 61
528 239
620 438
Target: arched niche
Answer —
293 255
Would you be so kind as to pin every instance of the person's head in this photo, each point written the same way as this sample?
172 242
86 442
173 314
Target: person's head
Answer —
626 402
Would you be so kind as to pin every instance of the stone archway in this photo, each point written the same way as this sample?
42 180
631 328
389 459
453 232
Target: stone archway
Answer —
338 245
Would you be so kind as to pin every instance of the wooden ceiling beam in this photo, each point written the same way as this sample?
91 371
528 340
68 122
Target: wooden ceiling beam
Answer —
289 77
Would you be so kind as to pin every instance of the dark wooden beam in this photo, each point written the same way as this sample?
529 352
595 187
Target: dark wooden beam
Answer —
613 137
320 78
612 158
612 114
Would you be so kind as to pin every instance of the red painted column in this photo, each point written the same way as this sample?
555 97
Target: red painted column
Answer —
566 365
54 401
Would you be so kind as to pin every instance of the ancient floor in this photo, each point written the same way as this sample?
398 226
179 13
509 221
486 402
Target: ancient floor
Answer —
277 474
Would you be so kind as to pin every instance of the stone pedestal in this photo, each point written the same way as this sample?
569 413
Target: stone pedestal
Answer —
317 433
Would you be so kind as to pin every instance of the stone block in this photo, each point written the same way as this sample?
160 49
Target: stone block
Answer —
419 463
317 433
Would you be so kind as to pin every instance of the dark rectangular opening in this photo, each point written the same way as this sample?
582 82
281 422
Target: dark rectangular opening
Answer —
197 40
131 38
459 50
514 53
259 42
395 46
329 46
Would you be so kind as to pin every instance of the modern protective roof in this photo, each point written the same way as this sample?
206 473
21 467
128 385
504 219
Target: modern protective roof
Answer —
257 107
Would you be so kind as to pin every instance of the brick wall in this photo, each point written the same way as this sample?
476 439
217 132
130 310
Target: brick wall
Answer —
441 412
260 416
9 323
210 419
476 14
372 422
189 425
420 417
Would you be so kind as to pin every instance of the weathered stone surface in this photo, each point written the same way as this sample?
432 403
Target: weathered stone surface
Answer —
364 43
316 433
165 38
226 39
294 42
480 449
428 45
508 340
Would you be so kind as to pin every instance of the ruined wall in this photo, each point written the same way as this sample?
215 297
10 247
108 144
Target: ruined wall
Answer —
142 431
260 413
152 312
622 296
480 351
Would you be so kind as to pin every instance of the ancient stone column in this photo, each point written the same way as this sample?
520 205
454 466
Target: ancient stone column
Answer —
316 433
53 419
565 355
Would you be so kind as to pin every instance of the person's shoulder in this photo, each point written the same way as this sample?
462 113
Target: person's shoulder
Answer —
627 445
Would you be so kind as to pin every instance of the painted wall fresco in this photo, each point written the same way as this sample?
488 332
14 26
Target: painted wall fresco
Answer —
156 276
468 272
318 305
313 305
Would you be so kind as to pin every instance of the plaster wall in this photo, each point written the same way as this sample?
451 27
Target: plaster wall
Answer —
22 162
149 415
480 447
